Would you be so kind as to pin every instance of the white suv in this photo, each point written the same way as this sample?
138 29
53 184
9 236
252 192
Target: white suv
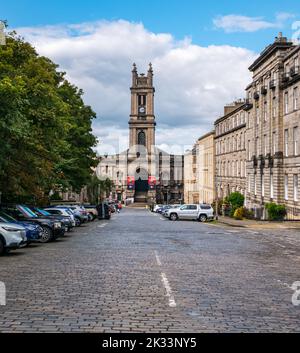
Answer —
12 236
200 212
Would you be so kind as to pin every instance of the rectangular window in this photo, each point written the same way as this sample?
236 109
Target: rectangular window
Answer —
249 183
286 103
141 100
257 146
265 111
262 185
274 141
249 150
249 120
257 116
286 142
271 187
255 191
295 140
295 187
295 98
286 187
265 145
274 107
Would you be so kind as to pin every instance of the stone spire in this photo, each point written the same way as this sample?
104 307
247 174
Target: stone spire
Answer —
150 75
134 74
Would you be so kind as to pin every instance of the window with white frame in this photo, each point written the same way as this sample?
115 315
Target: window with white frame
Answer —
265 145
265 111
249 150
295 140
295 187
249 182
257 146
274 141
274 107
286 102
271 186
295 98
286 187
286 142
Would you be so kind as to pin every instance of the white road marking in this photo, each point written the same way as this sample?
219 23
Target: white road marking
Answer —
168 289
166 283
102 225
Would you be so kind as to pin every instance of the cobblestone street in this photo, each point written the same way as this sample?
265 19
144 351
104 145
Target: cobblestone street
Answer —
142 273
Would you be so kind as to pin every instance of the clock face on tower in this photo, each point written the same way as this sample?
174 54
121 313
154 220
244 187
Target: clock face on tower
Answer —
142 110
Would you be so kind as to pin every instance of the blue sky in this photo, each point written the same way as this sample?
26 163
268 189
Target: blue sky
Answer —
200 50
181 18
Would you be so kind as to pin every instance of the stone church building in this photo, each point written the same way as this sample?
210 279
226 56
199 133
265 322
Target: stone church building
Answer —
143 173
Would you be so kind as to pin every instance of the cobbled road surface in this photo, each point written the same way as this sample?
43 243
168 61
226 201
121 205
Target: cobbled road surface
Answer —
141 273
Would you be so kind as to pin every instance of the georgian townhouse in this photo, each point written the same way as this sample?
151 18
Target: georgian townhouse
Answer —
230 150
272 129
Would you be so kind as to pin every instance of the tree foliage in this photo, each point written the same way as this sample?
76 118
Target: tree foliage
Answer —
46 139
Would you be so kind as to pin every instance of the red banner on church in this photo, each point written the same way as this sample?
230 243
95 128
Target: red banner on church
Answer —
151 182
130 182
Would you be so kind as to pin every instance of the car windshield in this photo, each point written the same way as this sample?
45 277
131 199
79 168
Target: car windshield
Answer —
43 212
7 217
27 211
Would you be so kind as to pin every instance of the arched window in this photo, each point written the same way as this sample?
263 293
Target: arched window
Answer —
141 138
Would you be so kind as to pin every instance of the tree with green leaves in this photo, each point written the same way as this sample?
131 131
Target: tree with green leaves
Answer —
45 127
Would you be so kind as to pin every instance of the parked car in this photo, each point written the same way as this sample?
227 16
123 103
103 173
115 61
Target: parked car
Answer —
12 236
52 229
92 211
33 230
200 212
165 210
67 220
156 207
79 213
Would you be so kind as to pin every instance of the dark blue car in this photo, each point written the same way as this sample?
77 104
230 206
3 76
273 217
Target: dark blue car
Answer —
33 231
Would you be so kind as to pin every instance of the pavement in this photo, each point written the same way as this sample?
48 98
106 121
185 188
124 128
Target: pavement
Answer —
139 272
247 223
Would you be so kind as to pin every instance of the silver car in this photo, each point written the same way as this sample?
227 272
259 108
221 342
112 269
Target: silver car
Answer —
200 212
12 236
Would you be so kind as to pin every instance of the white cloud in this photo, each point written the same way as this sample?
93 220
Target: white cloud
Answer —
238 23
192 82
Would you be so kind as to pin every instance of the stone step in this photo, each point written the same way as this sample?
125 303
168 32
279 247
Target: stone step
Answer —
138 205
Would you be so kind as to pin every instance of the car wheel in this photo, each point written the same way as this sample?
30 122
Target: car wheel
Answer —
203 218
46 235
2 248
173 217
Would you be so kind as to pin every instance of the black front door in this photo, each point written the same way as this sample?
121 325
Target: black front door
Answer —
141 185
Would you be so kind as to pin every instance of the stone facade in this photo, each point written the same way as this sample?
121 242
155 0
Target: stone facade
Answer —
273 117
230 150
143 173
199 171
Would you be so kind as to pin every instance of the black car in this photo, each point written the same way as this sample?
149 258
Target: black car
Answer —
52 228
65 220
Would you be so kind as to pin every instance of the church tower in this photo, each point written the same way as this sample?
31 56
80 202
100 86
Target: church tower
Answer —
142 120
